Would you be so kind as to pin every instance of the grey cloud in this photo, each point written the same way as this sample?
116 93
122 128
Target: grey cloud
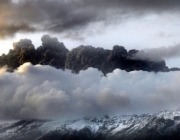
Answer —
45 92
77 15
157 54
11 29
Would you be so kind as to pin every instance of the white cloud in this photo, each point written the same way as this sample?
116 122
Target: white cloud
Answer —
45 92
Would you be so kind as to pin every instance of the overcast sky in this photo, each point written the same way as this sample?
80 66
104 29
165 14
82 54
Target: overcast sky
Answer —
134 24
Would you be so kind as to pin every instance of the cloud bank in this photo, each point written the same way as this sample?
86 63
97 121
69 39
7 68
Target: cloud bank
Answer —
74 15
45 92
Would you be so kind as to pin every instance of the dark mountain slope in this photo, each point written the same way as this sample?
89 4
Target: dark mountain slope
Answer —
163 125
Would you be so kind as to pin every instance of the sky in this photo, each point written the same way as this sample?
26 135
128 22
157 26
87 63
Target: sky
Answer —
134 24
36 91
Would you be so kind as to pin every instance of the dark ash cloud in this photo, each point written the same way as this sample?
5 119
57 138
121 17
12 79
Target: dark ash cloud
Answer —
54 53
76 15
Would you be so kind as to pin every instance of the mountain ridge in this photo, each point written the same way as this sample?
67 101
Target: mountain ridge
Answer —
162 125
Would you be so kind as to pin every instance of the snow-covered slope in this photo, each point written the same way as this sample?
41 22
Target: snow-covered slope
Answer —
163 125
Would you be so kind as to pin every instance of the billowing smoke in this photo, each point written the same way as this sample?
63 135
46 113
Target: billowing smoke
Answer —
158 54
54 53
45 92
74 15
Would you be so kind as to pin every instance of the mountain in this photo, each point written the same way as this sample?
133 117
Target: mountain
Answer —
163 125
